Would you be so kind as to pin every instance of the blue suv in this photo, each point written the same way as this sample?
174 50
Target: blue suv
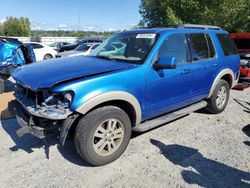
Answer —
135 80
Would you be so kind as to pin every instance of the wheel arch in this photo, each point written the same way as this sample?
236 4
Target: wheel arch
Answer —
121 99
225 74
46 55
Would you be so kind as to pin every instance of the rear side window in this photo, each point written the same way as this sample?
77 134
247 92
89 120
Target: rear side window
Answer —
211 49
227 44
201 46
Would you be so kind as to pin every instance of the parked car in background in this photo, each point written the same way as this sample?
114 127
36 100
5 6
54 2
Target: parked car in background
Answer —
14 53
151 77
242 41
82 49
42 51
77 43
56 45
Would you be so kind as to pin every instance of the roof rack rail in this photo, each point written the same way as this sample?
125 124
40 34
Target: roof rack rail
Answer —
196 26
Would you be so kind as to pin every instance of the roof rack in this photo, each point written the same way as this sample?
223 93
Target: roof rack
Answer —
196 26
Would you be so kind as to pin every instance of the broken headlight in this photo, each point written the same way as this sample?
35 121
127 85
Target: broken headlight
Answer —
62 99
68 97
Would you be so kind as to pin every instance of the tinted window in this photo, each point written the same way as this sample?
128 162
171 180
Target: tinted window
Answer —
199 47
175 45
83 47
94 46
211 50
36 46
227 44
242 43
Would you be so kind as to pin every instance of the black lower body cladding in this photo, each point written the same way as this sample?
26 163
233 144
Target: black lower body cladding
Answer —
41 127
30 124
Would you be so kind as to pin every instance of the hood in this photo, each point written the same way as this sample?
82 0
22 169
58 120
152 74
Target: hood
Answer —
47 73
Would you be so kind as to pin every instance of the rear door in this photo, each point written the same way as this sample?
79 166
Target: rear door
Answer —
204 64
231 57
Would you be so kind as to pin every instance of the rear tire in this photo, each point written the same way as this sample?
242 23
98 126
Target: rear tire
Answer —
219 99
103 135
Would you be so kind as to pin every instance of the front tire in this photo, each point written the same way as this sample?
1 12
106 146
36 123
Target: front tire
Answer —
219 99
103 135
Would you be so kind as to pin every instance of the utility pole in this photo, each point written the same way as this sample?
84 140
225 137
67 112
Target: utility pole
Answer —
79 21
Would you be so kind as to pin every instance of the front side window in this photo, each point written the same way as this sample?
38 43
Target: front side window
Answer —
175 46
227 44
126 47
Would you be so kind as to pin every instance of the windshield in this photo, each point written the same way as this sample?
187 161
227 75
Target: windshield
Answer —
83 47
53 45
128 47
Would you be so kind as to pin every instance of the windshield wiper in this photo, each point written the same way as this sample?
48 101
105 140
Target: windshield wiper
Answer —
105 57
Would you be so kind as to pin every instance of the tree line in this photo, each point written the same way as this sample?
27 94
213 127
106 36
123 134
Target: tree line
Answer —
62 33
20 27
231 15
13 26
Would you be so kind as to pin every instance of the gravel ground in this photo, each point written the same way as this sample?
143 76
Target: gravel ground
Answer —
199 150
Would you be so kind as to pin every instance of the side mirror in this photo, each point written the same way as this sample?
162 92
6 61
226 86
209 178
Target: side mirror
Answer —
167 62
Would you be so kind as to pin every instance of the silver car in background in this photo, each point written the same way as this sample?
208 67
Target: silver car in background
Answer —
83 49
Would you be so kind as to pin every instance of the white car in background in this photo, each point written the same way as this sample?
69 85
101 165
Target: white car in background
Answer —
42 51
83 49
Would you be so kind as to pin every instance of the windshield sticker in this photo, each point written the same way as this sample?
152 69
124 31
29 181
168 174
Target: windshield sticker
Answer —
145 36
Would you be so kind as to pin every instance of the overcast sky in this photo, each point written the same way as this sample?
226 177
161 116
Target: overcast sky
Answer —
97 15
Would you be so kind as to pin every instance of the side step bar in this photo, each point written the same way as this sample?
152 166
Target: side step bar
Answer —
168 117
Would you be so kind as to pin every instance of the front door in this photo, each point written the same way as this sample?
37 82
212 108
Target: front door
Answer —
169 89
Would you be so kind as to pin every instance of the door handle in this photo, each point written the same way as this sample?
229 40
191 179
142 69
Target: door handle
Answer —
185 71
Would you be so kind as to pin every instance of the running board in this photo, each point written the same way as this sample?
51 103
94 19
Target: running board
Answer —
169 117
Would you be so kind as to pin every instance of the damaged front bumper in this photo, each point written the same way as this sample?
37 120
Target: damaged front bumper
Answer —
42 120
52 112
27 124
